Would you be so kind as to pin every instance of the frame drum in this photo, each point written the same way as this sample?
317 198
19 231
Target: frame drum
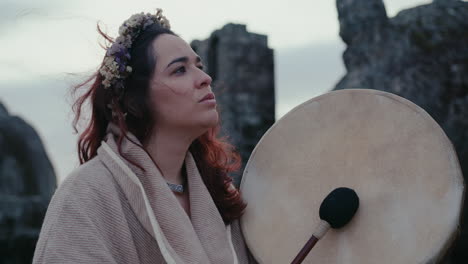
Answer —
390 151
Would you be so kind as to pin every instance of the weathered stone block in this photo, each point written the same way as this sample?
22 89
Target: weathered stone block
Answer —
420 54
241 65
27 182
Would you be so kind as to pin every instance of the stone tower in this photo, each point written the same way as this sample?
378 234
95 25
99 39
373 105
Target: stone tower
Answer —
420 54
241 66
27 182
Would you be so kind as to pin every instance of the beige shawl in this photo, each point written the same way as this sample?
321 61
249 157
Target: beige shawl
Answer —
109 211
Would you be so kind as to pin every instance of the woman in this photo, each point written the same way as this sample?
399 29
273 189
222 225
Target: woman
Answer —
153 184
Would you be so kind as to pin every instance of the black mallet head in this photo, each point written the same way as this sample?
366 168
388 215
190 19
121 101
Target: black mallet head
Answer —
339 207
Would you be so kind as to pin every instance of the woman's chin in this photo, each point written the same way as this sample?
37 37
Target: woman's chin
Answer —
211 120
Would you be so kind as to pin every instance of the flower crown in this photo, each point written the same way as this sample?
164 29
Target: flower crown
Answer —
114 68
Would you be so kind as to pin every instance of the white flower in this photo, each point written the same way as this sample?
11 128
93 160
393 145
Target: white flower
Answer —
158 12
122 29
106 83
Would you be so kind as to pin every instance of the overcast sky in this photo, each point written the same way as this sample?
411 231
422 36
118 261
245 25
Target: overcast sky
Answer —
42 42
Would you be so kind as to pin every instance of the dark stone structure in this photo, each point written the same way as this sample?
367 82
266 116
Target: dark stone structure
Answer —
27 182
241 65
420 54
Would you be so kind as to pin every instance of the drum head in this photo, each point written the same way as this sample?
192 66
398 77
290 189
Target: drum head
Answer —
390 151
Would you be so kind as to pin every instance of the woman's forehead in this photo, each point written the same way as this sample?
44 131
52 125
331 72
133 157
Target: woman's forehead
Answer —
169 47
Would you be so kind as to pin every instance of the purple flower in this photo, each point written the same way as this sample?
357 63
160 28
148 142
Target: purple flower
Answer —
115 48
121 68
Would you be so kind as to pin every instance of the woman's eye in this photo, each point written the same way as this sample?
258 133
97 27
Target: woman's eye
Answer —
180 70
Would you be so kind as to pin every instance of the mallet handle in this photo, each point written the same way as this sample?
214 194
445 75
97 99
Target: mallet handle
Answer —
305 250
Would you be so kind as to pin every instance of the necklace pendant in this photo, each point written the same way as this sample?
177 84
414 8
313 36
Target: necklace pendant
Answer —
178 188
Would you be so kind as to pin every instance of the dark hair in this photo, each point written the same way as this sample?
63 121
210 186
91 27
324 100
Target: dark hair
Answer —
214 156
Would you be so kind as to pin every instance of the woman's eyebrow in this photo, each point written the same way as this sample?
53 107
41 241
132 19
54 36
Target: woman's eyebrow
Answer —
182 59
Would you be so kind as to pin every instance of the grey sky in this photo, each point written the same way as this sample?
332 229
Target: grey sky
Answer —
43 40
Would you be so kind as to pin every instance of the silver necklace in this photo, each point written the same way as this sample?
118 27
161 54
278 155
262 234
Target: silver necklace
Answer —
178 188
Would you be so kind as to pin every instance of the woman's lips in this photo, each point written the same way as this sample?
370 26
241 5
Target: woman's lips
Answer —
208 98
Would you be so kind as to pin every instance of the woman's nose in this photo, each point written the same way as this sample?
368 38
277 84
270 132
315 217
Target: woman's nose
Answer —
203 80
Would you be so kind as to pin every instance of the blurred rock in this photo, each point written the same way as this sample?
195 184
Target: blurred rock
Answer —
420 54
27 182
241 65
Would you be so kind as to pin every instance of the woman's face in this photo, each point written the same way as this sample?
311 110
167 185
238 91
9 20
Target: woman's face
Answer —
180 90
